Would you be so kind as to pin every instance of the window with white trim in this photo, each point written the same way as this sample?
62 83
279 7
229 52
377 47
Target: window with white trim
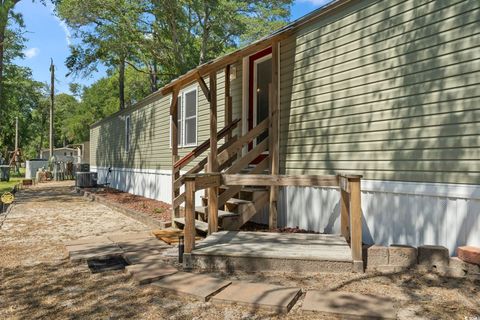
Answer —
127 133
187 109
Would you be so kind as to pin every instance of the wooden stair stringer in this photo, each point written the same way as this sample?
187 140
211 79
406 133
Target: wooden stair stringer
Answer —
245 213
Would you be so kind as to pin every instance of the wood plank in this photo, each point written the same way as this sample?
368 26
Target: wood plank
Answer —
200 226
274 136
213 161
203 86
174 143
356 224
249 157
189 230
207 181
233 190
344 214
238 145
205 145
228 101
279 180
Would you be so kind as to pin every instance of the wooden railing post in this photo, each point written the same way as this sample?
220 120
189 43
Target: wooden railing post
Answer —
356 223
174 142
189 229
345 214
212 160
273 135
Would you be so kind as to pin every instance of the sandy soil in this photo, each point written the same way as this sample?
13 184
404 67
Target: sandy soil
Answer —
37 281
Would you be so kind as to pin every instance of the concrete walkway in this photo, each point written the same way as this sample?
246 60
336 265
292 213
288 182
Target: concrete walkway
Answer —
143 252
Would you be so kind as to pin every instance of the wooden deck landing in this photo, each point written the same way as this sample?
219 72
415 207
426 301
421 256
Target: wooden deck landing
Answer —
257 251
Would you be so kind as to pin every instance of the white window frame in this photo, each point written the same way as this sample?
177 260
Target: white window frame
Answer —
182 143
128 133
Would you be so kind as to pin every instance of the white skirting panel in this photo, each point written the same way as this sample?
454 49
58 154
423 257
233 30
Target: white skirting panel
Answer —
393 212
150 183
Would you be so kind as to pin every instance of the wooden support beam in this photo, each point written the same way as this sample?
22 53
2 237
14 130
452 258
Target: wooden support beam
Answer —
203 86
273 135
189 228
174 143
212 160
356 224
228 101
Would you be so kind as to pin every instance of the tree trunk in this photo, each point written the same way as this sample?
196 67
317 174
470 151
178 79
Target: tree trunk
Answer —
121 83
205 34
2 49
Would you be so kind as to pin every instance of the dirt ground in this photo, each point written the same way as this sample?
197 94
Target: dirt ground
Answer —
37 281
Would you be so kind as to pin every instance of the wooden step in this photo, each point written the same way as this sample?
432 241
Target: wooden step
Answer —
199 225
221 214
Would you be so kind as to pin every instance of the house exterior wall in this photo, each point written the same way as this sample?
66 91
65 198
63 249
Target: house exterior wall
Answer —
144 168
389 90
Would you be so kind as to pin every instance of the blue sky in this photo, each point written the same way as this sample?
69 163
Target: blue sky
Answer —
48 37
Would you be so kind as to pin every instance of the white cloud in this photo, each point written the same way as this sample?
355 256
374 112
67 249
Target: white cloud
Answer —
31 52
62 24
315 2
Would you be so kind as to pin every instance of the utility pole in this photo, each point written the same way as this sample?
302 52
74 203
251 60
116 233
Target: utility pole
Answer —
16 145
52 99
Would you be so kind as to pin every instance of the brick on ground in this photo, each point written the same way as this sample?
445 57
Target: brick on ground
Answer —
433 256
402 255
190 284
259 295
349 305
375 256
469 254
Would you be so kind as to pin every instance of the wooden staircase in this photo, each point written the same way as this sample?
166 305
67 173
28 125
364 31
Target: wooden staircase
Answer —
236 204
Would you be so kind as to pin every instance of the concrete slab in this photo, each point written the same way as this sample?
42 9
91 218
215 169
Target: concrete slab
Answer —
190 284
89 240
259 295
119 237
150 271
84 252
346 304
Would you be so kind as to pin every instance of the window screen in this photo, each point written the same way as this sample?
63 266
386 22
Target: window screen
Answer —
127 134
190 117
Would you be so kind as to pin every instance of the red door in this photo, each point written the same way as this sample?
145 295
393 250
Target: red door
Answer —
260 78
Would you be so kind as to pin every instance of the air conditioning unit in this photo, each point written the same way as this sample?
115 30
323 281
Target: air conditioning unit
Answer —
86 179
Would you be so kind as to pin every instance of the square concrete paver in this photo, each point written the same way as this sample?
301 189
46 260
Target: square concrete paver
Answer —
197 285
259 295
346 304
150 271
143 256
119 237
142 244
89 240
84 252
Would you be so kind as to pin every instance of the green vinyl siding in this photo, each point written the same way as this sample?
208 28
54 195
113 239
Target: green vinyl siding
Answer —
150 132
388 89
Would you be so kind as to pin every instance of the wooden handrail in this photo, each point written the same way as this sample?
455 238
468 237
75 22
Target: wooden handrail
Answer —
204 146
279 180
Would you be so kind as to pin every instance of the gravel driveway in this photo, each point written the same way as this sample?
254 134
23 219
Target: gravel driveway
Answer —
37 281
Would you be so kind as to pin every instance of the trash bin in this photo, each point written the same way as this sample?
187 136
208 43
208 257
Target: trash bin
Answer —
4 173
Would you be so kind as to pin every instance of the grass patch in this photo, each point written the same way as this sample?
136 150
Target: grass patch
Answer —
8 186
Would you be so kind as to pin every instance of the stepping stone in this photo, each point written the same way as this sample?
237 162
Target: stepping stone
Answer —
84 252
346 304
144 256
150 271
259 295
142 244
89 240
190 284
120 237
